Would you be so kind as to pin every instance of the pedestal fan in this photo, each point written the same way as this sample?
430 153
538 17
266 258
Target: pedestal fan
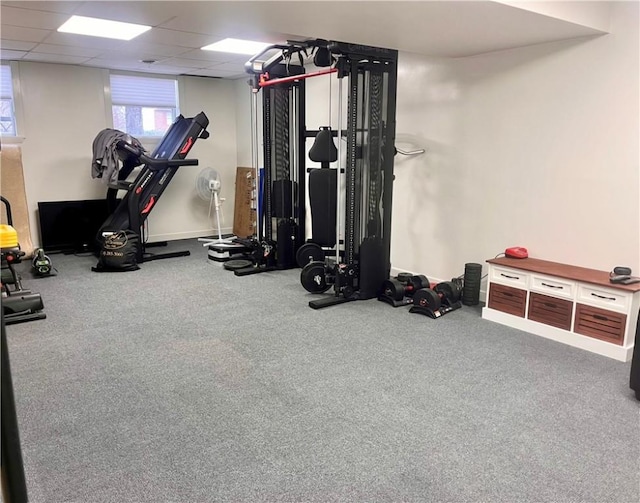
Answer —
208 187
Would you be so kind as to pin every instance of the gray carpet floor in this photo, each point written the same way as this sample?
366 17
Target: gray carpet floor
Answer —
183 383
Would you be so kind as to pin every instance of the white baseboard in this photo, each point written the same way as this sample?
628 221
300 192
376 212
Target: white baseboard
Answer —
174 236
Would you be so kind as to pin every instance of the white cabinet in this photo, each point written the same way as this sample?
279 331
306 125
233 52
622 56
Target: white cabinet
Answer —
569 304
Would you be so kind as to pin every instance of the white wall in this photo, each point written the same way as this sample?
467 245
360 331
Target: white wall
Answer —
535 147
243 121
63 110
180 213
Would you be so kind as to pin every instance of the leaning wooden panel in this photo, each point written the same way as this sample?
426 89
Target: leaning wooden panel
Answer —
12 188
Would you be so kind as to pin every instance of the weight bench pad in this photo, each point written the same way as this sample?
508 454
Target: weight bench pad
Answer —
322 199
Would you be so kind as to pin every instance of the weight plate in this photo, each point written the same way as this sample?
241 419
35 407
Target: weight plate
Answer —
393 288
233 265
313 277
416 283
404 277
309 252
427 298
449 290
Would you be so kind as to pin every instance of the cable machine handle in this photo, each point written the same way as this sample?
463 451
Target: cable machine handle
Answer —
409 152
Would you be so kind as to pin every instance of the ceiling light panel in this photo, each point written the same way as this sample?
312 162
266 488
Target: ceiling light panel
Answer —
236 46
94 27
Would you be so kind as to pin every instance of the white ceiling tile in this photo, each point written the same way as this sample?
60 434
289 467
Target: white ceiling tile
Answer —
55 58
186 63
47 6
250 20
17 45
123 57
32 18
135 66
436 28
135 59
163 69
173 37
210 72
58 38
211 56
148 13
121 60
236 67
160 50
11 55
115 64
68 50
23 34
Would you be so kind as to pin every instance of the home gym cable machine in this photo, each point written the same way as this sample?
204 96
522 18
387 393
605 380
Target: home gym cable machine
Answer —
363 224
280 216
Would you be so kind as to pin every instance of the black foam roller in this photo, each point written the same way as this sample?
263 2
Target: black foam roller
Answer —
472 279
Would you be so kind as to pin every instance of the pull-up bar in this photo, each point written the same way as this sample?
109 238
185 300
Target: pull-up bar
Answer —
264 82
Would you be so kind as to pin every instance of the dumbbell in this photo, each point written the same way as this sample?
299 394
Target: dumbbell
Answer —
397 289
404 277
447 293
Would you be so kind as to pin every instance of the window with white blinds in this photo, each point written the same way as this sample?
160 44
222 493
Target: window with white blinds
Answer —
7 114
143 106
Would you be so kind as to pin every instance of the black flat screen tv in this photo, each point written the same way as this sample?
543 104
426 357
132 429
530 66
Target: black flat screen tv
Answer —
71 226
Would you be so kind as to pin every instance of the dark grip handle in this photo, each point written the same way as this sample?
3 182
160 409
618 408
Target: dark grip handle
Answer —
600 317
510 277
552 286
161 163
602 296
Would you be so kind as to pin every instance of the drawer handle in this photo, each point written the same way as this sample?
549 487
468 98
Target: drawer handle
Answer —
552 286
510 277
549 304
507 294
603 297
600 317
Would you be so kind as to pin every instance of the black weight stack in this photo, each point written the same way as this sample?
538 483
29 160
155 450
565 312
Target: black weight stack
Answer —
472 279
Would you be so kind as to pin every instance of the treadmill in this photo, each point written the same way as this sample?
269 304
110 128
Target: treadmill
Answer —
157 171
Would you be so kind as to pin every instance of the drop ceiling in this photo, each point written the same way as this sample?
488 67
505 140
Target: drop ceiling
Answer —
447 29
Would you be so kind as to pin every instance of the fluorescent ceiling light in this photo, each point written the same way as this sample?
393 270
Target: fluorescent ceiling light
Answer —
236 46
95 27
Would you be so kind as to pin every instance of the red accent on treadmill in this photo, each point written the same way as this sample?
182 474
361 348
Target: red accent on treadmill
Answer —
147 208
187 146
138 190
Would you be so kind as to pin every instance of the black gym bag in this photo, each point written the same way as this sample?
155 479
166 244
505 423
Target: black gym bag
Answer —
119 252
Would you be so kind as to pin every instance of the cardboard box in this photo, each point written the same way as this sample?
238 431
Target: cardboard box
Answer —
244 215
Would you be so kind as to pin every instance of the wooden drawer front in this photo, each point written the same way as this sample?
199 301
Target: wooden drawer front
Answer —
509 277
507 299
607 298
556 287
550 311
600 323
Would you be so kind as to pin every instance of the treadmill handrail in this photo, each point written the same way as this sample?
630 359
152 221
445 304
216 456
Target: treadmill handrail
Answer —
159 162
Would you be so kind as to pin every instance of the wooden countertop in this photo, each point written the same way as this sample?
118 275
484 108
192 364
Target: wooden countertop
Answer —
565 271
